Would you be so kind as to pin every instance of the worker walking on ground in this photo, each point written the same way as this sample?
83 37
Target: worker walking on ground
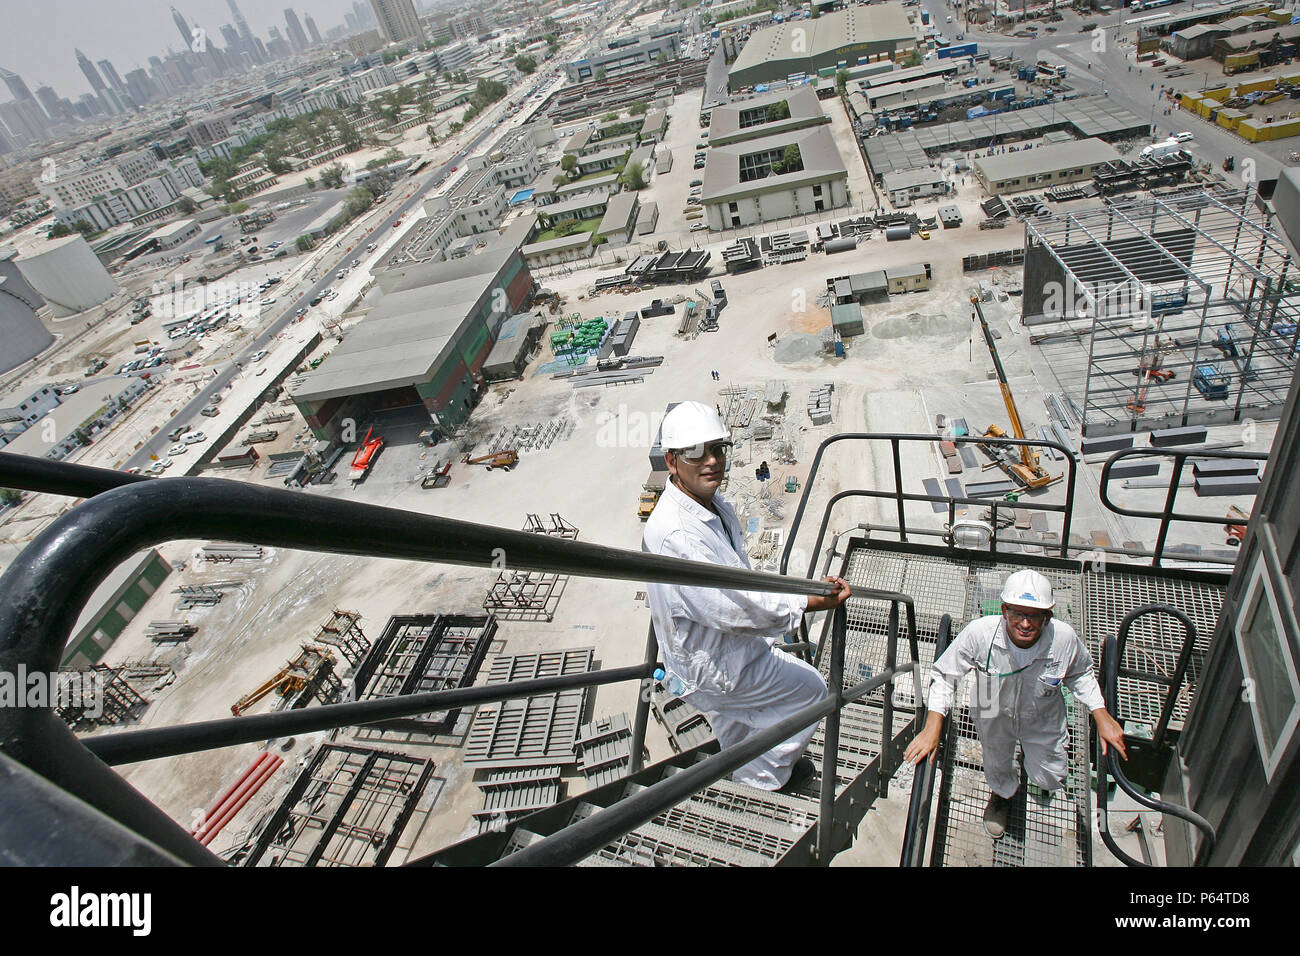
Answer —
720 643
1021 657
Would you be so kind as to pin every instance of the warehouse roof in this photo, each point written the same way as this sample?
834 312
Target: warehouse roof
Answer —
907 178
1029 162
620 214
877 23
403 338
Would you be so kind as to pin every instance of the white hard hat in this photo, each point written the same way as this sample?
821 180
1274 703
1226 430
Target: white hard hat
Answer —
1028 589
690 424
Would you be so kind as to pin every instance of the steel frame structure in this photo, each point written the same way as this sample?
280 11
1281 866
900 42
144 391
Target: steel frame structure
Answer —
420 653
1235 273
347 808
343 630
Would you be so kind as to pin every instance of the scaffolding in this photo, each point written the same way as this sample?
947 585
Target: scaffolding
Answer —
347 808
1197 284
422 653
343 630
100 697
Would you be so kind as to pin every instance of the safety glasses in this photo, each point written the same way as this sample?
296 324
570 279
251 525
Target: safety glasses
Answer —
699 453
1014 616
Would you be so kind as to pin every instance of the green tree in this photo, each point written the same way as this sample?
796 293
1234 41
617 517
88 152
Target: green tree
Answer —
569 164
304 243
600 73
394 155
842 81
511 49
525 64
462 76
609 117
565 227
59 231
638 108
433 138
661 57
359 200
778 111
331 177
185 205
448 77
633 176
559 179
309 182
9 496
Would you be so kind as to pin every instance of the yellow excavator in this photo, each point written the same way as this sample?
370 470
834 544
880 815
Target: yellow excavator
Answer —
1027 471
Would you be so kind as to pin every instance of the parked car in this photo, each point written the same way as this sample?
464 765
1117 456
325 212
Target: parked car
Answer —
177 432
697 182
260 354
696 227
1183 137
193 438
179 448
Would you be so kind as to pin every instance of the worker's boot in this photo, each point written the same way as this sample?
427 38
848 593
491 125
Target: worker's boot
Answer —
802 770
996 812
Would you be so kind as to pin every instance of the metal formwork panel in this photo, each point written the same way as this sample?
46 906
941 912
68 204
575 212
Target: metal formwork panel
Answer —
540 729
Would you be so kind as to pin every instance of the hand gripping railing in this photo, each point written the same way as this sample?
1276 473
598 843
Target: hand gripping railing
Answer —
918 808
1108 764
581 839
44 589
1167 515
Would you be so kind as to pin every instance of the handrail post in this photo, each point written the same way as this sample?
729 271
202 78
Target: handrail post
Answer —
918 806
831 739
887 720
898 488
1165 518
643 705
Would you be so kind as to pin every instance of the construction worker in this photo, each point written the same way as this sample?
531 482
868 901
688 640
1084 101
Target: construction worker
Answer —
718 642
1021 657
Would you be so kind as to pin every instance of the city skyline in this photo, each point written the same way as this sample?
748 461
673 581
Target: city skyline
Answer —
127 33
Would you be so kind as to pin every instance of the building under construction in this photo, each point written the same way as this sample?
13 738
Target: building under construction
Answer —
1165 312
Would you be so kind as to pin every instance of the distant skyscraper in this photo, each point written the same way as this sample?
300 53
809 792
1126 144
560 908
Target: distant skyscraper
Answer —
53 105
350 21
183 27
297 36
363 12
240 22
397 20
234 43
91 74
311 30
110 74
17 88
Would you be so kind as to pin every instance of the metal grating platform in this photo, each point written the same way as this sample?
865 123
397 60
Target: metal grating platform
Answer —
534 730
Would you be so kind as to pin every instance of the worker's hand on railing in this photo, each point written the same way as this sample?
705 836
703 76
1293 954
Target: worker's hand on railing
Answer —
833 600
926 743
1110 732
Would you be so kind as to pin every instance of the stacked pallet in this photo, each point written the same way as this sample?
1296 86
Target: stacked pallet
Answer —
819 404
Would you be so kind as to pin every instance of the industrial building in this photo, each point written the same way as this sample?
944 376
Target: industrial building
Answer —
917 147
115 602
515 342
769 115
860 34
741 187
418 354
1229 342
22 333
67 275
613 56
79 417
1042 167
904 186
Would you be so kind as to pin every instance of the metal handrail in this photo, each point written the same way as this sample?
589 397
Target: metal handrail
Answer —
579 840
1167 515
901 497
918 807
1108 763
127 513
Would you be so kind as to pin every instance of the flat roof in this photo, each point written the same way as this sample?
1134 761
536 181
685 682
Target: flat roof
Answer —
574 241
1026 162
598 197
70 414
172 229
817 148
619 214
404 337
724 121
906 178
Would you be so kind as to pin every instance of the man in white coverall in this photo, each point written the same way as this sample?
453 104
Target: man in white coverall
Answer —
1021 659
720 643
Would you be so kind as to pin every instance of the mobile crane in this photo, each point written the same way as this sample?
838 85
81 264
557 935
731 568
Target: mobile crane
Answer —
1027 471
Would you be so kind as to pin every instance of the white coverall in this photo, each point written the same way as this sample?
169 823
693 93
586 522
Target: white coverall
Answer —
720 643
1009 704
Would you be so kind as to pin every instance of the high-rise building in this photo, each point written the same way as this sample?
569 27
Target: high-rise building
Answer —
54 107
311 30
25 121
91 74
17 88
397 20
297 35
110 74
140 87
186 33
234 44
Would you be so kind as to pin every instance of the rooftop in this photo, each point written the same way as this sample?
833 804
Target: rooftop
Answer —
1025 162
821 159
877 23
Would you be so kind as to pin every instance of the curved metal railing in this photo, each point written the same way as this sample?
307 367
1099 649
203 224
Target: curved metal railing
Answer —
1108 764
918 807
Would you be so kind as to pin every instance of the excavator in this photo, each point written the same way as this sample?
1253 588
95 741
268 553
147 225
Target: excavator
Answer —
1027 471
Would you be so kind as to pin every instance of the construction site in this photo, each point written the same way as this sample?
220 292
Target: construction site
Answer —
415 628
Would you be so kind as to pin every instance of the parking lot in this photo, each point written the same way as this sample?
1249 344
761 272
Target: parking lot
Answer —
670 190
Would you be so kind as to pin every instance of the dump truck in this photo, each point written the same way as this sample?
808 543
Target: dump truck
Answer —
650 492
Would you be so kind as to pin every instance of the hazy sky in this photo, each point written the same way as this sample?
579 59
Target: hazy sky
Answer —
37 37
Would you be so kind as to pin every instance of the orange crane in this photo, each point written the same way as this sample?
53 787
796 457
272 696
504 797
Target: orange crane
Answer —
505 460
292 679
1027 471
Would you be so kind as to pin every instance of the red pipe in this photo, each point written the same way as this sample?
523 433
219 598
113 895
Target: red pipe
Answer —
238 800
225 794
